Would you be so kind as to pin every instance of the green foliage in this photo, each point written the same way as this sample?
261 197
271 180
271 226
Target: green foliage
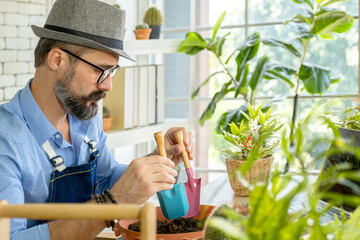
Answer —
350 118
117 5
240 82
319 21
269 216
153 17
106 112
213 233
142 26
253 138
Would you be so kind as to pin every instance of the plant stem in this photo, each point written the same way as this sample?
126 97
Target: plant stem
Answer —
231 76
296 97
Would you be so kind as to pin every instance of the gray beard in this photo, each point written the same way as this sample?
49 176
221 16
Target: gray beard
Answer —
75 104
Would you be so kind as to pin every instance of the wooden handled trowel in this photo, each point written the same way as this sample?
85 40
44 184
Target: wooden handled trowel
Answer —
192 186
174 202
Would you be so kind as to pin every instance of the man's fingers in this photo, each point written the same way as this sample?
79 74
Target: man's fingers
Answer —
160 168
164 186
163 178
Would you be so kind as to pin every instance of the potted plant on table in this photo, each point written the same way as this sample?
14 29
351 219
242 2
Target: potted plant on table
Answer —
269 215
250 154
142 31
154 18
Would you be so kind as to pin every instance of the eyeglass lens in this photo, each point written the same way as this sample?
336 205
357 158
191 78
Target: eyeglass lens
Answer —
107 72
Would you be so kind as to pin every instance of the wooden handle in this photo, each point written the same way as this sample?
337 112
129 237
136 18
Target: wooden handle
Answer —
180 139
159 138
146 214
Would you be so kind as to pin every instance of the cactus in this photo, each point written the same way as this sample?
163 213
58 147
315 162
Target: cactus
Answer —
211 233
117 5
106 112
153 17
142 26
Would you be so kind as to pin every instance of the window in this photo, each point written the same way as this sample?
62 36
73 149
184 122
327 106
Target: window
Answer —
242 19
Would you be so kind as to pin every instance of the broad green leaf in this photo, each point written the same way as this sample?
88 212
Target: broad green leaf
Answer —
301 18
316 79
216 47
232 115
248 49
258 73
277 71
217 25
212 105
335 80
196 92
192 44
332 1
277 43
332 21
308 2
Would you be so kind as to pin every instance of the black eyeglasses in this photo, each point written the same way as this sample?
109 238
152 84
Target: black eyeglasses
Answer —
104 73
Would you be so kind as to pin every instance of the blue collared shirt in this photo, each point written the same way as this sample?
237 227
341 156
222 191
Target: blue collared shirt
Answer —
25 168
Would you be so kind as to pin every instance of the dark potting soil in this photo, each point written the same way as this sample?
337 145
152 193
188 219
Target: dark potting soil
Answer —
178 225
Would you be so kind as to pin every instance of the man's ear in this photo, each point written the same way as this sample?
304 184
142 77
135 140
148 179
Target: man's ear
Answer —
55 59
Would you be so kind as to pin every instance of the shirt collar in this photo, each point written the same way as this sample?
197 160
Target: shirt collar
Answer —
37 122
39 125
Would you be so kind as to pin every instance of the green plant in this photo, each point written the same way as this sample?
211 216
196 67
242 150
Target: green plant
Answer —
319 21
254 138
211 233
106 112
142 26
116 5
235 68
153 17
270 217
350 118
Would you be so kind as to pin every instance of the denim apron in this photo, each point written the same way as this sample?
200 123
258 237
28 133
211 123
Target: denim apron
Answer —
72 184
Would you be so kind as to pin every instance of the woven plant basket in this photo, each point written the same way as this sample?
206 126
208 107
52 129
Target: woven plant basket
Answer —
259 172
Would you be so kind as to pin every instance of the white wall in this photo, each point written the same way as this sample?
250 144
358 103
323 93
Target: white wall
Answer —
17 41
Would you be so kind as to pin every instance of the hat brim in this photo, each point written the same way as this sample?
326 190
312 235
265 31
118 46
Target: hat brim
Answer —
64 37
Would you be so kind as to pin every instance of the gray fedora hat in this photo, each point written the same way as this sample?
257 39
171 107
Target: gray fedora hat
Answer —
89 23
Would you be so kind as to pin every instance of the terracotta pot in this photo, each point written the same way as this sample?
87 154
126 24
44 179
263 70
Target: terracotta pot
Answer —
142 34
107 124
259 172
122 225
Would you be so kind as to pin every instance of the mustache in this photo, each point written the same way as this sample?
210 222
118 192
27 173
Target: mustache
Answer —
95 96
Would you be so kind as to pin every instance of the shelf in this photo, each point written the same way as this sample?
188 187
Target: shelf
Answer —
155 46
119 138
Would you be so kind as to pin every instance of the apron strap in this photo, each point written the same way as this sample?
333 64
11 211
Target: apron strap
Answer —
92 144
56 160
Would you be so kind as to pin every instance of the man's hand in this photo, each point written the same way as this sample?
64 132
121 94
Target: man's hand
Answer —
143 178
173 149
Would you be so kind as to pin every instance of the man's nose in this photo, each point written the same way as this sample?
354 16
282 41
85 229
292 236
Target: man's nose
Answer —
106 85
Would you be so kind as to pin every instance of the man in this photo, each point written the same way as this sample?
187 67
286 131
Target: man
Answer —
52 146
